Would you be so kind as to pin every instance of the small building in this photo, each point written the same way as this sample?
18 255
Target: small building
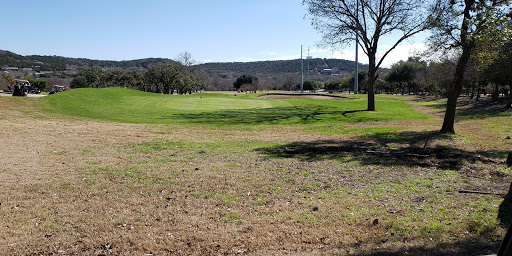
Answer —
10 68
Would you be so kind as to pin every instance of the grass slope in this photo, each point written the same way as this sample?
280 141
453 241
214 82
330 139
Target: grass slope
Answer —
129 106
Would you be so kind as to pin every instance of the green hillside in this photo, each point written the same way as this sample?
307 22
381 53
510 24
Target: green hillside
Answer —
124 105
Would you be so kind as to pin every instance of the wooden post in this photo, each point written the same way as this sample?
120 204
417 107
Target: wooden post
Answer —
509 159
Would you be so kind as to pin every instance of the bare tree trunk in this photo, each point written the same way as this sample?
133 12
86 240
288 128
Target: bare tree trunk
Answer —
456 88
371 94
371 81
449 116
495 93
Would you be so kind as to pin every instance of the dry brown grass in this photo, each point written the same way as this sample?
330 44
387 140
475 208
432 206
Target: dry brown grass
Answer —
74 187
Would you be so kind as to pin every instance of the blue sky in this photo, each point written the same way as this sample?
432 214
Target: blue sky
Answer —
211 30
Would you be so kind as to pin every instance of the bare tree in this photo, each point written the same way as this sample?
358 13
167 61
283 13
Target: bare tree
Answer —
290 80
185 58
340 21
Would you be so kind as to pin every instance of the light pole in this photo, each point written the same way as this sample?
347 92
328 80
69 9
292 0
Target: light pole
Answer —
308 58
301 71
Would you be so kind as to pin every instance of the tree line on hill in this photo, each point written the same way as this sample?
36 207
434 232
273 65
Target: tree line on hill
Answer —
58 63
282 66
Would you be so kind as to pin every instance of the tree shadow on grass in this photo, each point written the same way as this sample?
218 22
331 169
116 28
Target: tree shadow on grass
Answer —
276 115
385 149
481 109
470 109
474 246
479 245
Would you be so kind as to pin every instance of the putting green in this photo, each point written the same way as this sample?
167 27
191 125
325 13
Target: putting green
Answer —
125 105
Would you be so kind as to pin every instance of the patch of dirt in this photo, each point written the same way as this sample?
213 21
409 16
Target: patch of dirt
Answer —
305 96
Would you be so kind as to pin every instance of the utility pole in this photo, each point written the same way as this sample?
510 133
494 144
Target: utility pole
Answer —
356 77
301 71
307 58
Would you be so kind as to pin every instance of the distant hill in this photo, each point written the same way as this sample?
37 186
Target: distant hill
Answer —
271 74
57 63
282 66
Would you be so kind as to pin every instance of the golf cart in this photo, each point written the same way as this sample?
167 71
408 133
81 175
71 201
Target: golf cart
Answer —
57 88
20 87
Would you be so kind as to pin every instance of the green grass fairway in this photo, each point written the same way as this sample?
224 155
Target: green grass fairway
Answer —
130 106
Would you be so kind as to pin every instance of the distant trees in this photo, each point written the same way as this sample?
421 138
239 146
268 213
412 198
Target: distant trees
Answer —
436 77
334 85
94 76
221 82
185 58
313 85
79 82
346 83
310 85
9 80
289 80
499 71
246 83
362 76
39 85
169 78
161 78
402 75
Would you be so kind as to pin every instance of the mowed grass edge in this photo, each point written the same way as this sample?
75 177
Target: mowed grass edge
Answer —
130 106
